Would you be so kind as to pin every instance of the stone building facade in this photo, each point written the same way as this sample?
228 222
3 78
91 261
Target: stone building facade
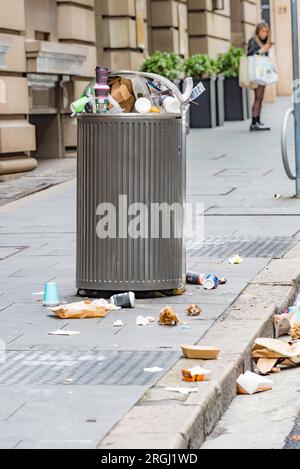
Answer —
49 50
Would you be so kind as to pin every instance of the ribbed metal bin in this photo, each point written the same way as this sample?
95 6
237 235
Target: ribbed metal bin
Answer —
143 158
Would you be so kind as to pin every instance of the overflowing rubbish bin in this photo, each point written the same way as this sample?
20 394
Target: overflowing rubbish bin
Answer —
131 197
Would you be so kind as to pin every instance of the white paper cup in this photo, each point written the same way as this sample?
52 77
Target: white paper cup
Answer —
143 105
172 105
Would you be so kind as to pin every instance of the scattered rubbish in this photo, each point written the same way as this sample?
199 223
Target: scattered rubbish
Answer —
143 105
222 281
184 327
124 300
194 279
283 324
193 310
211 282
195 374
62 332
251 383
271 355
141 321
118 324
91 421
84 310
295 331
200 352
236 260
51 295
277 196
153 370
168 317
295 438
38 297
185 391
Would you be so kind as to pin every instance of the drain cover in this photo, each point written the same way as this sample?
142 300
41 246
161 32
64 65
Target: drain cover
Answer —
246 247
79 368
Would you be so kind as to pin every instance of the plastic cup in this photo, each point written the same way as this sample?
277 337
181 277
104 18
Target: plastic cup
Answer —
124 300
51 299
78 106
172 105
143 106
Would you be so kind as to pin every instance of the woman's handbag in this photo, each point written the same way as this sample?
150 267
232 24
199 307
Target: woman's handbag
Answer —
244 75
262 70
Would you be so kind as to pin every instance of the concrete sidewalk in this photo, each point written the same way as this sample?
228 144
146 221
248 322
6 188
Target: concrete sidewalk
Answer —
235 174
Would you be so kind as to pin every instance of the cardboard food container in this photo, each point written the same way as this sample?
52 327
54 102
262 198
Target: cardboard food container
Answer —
251 383
195 375
200 352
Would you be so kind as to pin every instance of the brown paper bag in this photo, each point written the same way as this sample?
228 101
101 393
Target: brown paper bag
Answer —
271 353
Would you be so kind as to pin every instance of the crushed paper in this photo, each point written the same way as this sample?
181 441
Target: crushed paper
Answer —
118 324
168 317
141 321
193 310
84 310
185 391
62 332
269 354
236 260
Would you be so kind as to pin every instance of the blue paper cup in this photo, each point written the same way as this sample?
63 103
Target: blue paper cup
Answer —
51 296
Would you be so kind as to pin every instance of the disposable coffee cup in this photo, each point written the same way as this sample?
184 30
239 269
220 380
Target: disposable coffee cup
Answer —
51 299
78 106
143 106
123 300
211 282
172 105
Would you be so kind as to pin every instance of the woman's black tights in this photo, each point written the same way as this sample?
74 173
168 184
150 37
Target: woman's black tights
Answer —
259 97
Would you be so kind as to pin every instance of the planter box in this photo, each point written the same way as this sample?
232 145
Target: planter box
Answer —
220 101
204 116
235 100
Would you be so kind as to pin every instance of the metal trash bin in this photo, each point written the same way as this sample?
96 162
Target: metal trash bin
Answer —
123 160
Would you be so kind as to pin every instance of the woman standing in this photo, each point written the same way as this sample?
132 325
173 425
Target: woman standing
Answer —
260 44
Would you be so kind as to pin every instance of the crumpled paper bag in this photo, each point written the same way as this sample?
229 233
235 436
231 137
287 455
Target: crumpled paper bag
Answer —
84 310
269 354
122 92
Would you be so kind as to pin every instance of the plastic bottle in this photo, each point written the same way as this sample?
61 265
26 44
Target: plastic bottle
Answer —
101 90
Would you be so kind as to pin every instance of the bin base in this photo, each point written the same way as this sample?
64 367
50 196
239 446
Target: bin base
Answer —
140 295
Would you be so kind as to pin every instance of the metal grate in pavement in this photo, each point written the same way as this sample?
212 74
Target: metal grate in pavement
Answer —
246 247
123 368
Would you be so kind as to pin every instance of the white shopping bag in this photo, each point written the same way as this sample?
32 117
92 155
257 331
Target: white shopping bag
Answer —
244 81
262 70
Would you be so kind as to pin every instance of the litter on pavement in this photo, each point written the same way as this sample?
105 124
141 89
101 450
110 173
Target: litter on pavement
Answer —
236 260
195 374
141 321
193 352
251 383
124 300
209 282
168 317
272 355
185 391
118 324
62 332
38 297
193 310
84 310
153 370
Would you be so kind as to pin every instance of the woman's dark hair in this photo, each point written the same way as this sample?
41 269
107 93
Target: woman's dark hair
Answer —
259 27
